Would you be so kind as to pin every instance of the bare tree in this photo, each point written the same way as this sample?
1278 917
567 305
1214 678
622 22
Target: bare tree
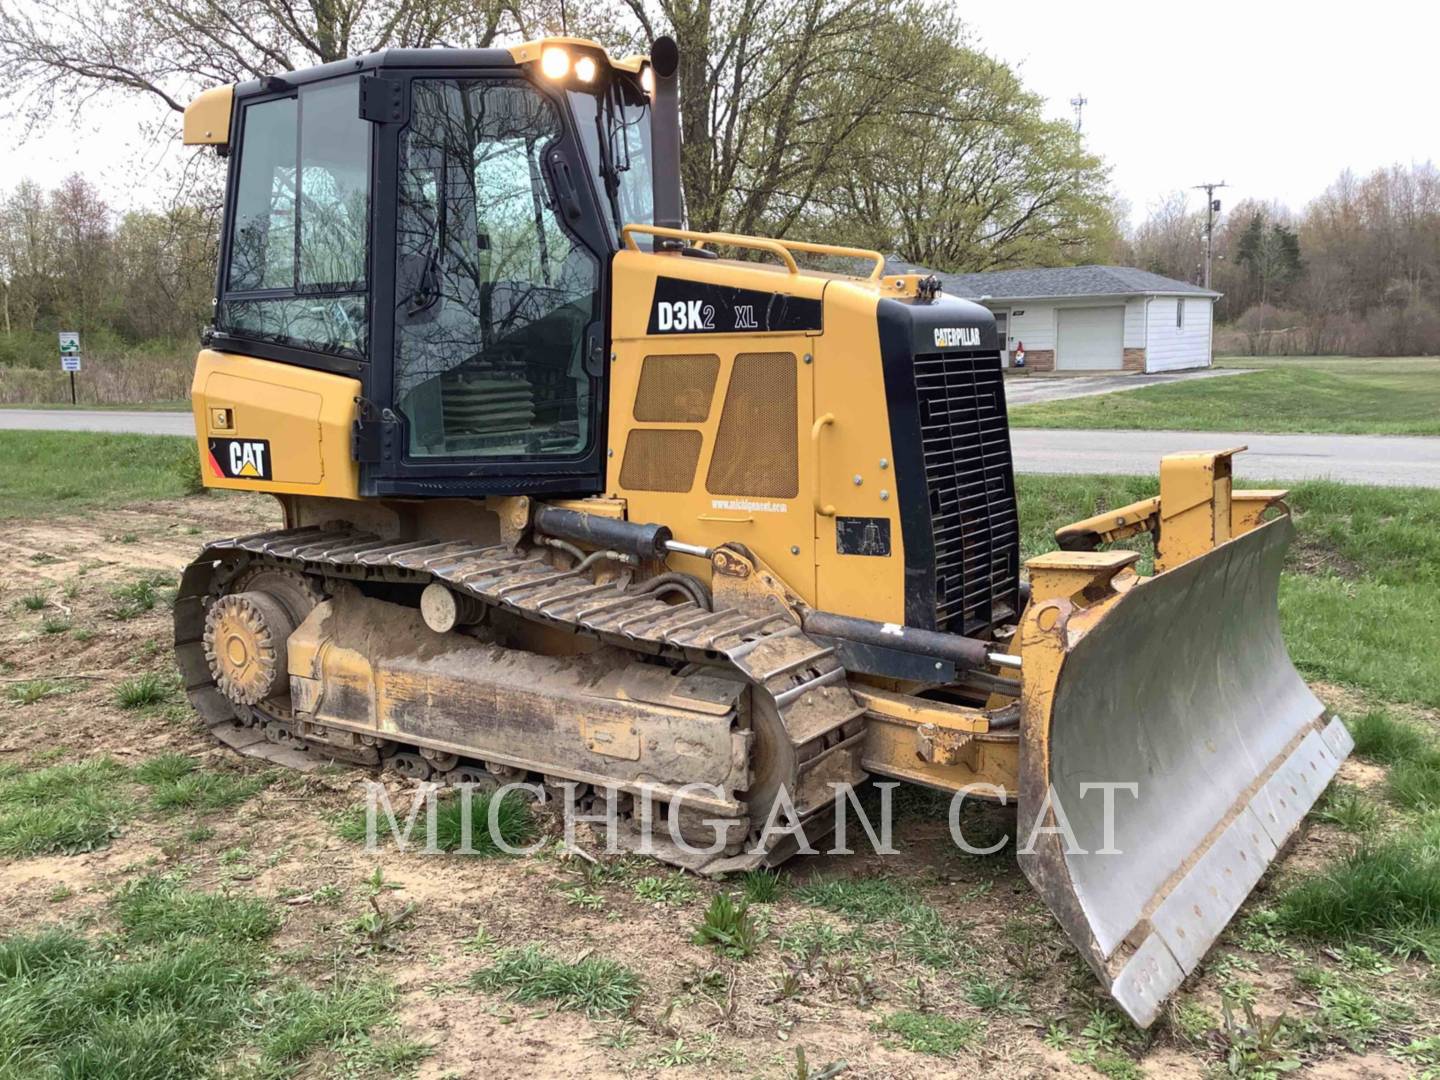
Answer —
1170 240
64 52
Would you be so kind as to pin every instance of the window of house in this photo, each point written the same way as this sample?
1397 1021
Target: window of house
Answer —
1179 314
300 224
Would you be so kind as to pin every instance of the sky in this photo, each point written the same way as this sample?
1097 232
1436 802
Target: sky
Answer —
1274 98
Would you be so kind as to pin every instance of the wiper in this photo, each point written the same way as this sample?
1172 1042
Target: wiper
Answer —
426 293
604 136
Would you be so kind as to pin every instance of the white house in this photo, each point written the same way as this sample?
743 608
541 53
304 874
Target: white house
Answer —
1095 318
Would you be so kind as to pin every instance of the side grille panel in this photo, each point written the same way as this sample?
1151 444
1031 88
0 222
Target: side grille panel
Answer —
965 442
660 459
756 448
676 389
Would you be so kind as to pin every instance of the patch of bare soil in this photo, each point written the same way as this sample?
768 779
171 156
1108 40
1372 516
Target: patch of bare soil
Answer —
1310 555
1349 703
700 1013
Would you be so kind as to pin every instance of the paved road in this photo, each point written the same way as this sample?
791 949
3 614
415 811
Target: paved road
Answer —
1028 389
1359 459
138 423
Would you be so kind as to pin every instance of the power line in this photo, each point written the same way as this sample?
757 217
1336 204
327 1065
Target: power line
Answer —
1212 207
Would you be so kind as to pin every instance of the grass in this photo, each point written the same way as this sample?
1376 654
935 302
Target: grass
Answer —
138 406
32 690
1386 893
815 937
1384 738
1352 1015
994 996
1413 779
865 900
1346 808
515 824
145 690
593 984
73 1009
193 1002
177 783
729 927
62 809
894 909
762 886
161 909
164 999
931 1033
1362 580
135 598
307 1019
48 473
1333 395
670 889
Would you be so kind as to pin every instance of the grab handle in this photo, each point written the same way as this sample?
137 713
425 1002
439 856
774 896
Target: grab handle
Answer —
816 429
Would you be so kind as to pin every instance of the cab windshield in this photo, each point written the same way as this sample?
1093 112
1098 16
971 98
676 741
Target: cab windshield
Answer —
614 125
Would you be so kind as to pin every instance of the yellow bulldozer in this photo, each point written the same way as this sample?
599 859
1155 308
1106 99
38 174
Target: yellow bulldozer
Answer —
575 495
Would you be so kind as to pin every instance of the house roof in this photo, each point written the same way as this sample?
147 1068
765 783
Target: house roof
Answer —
1056 282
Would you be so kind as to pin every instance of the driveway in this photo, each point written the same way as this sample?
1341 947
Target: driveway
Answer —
1028 389
1356 459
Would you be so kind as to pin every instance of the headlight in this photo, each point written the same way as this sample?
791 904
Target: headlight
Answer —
555 63
647 79
585 69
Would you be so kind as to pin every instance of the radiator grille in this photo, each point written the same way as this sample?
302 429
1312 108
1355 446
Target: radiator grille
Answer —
676 389
756 446
966 444
657 459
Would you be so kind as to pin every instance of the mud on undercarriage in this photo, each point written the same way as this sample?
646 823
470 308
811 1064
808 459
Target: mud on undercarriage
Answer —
307 645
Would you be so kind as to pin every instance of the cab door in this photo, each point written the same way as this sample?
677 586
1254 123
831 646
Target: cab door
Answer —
499 295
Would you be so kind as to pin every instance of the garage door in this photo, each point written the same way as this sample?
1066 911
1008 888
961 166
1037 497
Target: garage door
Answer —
1091 339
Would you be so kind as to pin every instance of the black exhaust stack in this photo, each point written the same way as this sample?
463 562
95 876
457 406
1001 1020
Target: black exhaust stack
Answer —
665 133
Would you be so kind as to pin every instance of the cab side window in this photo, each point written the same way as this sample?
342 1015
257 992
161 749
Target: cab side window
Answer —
300 225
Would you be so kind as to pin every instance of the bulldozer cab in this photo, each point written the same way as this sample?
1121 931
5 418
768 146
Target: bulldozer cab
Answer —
439 224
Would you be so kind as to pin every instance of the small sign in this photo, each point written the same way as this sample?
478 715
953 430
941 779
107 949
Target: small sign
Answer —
69 343
70 363
862 536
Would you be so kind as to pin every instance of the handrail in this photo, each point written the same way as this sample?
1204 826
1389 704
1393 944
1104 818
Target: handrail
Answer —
774 247
780 248
843 252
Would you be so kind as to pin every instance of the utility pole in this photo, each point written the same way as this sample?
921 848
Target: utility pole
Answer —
1078 103
1212 207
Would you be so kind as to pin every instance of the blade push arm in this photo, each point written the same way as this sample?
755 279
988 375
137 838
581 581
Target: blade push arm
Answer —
1195 510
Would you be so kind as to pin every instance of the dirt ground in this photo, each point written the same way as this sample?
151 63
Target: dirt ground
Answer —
700 1013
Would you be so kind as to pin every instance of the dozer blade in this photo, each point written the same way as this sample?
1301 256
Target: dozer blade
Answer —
1180 685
